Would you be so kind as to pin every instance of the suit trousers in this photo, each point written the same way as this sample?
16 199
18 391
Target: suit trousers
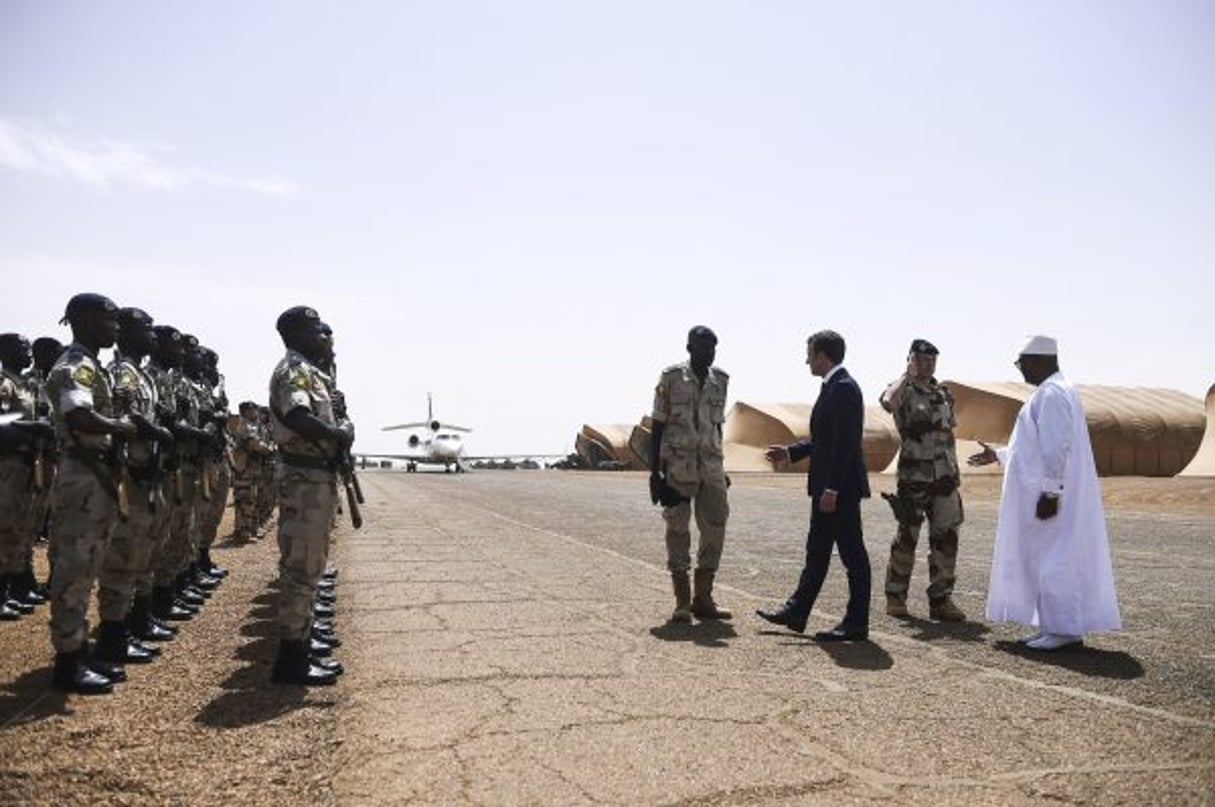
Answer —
840 529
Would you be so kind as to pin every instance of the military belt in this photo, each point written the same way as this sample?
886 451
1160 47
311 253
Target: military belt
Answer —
308 461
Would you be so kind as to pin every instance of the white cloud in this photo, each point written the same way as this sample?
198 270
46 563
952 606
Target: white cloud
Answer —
35 150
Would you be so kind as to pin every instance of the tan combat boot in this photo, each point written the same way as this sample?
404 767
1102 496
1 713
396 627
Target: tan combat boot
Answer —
946 611
703 606
683 597
897 607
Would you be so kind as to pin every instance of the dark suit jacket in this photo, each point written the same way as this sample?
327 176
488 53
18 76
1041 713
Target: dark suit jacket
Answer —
837 425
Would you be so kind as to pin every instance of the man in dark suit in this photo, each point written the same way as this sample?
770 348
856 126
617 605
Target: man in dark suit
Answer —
837 482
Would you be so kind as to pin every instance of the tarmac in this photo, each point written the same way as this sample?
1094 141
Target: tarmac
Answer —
506 642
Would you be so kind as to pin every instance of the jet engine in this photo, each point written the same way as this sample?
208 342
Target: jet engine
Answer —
413 441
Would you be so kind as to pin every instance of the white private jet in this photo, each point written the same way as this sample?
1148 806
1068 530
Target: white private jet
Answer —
433 443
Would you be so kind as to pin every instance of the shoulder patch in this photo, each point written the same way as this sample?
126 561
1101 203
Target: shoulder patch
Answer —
299 379
84 375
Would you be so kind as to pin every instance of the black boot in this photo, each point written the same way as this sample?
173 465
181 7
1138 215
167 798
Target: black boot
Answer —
293 666
114 672
114 646
72 675
142 625
327 636
164 605
209 566
20 606
23 587
7 612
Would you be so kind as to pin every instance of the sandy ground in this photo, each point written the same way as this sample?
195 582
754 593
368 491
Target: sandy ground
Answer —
506 642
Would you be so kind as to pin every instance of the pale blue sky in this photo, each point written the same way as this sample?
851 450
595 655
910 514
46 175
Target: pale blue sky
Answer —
522 207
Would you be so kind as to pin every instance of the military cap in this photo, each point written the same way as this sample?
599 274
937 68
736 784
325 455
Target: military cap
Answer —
87 303
702 332
924 346
296 317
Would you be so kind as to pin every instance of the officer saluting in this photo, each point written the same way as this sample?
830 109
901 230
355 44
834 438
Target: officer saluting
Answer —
310 443
84 504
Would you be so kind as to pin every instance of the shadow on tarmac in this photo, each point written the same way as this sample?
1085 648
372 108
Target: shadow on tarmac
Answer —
931 631
1082 659
866 655
710 633
30 698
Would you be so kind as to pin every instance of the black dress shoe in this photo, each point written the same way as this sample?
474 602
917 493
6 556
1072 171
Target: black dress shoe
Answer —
842 633
784 616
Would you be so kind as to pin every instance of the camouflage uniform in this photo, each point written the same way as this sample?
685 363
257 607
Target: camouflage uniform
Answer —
50 458
247 452
307 492
83 504
267 495
691 456
182 545
158 562
213 482
129 558
927 488
18 512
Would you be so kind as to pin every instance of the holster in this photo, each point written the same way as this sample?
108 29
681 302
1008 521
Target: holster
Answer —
904 511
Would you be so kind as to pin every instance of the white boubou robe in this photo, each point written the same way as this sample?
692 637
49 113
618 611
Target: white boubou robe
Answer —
1054 573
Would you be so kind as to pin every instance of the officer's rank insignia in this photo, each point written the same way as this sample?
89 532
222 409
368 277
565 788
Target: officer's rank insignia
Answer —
84 375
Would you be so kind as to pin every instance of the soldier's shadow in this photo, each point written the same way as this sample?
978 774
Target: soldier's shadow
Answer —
249 697
1091 661
31 698
931 631
710 633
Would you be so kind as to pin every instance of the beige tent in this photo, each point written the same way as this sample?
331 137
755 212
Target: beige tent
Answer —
750 428
1203 463
1135 431
610 443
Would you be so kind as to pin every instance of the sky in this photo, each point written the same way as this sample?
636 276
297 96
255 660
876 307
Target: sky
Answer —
522 207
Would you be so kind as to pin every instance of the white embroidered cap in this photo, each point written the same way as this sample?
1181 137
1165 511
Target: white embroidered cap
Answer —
1040 346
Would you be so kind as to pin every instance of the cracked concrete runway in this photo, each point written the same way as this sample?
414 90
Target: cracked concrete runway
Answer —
506 643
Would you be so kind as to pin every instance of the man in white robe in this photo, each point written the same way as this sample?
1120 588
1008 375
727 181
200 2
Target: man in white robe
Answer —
1051 567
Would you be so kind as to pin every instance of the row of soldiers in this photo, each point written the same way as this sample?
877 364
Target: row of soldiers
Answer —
129 465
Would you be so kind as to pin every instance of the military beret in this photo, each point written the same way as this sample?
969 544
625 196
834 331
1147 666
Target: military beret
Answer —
296 317
702 332
12 341
245 406
129 316
47 343
87 303
189 340
924 346
211 357
167 332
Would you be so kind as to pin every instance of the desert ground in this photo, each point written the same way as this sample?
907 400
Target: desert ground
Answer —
506 642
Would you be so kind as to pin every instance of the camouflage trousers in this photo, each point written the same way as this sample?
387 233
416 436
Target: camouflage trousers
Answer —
267 491
944 515
17 512
244 504
182 544
305 509
712 509
211 513
130 555
145 580
83 518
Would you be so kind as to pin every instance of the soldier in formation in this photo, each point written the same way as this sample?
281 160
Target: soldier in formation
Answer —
311 444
